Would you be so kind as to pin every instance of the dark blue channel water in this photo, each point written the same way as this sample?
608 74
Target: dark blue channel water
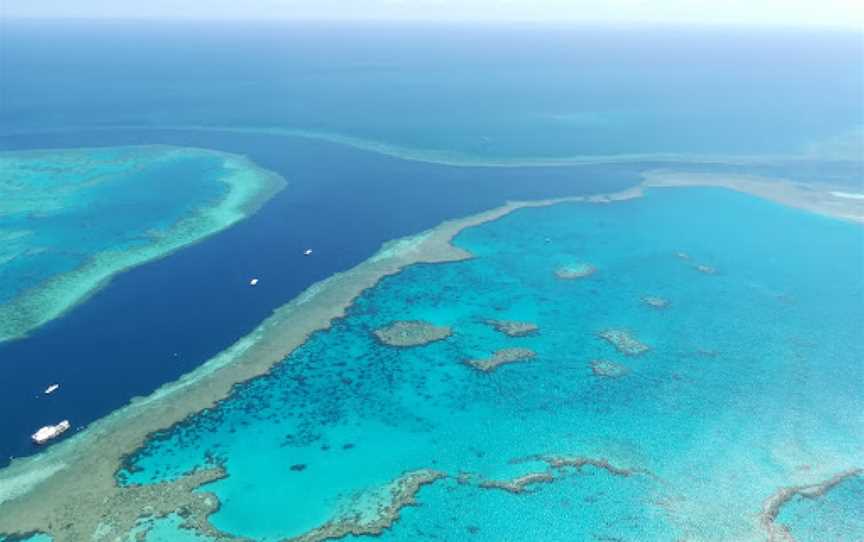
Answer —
160 320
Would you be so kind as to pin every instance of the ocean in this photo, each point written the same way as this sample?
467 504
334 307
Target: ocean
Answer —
413 102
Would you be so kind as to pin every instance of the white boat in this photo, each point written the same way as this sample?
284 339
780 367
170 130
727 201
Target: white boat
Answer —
50 432
253 282
307 252
51 389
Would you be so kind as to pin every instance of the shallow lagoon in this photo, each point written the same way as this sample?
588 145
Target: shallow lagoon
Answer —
70 219
737 397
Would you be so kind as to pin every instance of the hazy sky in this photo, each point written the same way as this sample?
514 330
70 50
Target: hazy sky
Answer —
783 12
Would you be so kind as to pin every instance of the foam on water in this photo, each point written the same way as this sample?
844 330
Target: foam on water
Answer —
751 383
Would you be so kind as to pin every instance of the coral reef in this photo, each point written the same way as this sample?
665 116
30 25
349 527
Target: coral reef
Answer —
655 301
518 485
575 271
76 479
411 333
558 466
501 357
577 461
608 369
403 492
80 519
624 342
780 533
513 328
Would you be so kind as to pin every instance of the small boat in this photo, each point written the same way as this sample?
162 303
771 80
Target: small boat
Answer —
51 389
50 432
307 252
253 282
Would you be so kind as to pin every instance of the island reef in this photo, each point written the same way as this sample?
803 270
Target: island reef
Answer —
406 334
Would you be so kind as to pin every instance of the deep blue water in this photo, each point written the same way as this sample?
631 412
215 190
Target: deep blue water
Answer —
341 202
493 90
498 92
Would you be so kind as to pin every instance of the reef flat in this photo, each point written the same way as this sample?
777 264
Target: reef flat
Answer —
457 158
777 532
575 271
608 369
78 475
72 219
413 333
501 357
624 341
357 415
514 329
656 302
401 493
821 198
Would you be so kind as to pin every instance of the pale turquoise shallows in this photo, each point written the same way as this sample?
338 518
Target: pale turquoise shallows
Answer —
70 219
752 383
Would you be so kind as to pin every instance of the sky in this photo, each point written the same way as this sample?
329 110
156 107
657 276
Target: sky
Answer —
848 13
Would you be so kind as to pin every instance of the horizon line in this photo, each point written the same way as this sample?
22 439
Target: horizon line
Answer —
562 23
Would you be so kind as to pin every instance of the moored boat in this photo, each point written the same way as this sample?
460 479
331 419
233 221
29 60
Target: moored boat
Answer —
50 432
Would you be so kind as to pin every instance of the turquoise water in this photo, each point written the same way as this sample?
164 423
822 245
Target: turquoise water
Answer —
832 517
69 219
752 382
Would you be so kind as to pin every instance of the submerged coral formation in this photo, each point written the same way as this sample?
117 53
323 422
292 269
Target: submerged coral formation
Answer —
501 357
411 333
513 328
77 477
578 461
655 301
770 510
558 465
608 369
402 493
519 484
575 271
624 342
